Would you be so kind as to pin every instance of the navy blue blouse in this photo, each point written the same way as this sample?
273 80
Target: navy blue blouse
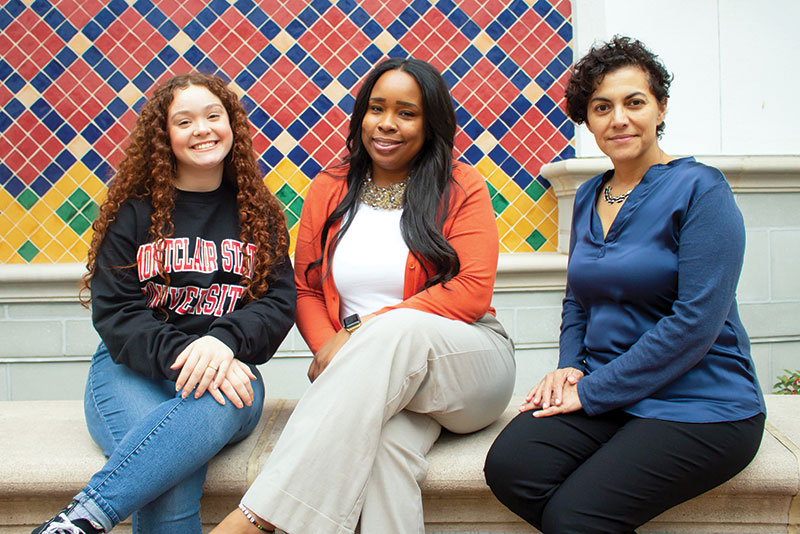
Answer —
650 310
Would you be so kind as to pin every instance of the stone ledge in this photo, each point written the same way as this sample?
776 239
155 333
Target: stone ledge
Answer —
49 456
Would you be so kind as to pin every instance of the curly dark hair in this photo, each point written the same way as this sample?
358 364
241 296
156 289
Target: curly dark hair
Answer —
619 52
149 170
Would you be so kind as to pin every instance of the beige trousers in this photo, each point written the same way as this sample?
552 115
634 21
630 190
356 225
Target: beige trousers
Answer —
354 447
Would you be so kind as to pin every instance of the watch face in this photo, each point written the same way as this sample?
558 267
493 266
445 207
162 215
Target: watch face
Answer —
351 322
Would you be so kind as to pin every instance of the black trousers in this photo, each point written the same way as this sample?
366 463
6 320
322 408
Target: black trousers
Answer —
611 473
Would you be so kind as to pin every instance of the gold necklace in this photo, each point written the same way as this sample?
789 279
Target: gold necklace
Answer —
384 198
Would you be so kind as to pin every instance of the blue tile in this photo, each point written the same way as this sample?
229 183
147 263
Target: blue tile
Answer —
117 81
473 129
92 56
470 30
248 103
219 6
14 186
346 6
66 134
520 80
143 82
372 54
567 153
359 16
104 120
295 29
40 108
567 129
5 69
555 68
565 56
273 156
297 130
346 103
473 155
65 159
397 30
508 68
445 6
311 168
117 7
372 29
544 181
194 30
523 178
498 129
41 185
510 166
41 82
91 159
310 117
322 79
5 121
272 129
255 15
14 8
298 155
258 67
542 7
471 55
168 55
296 54
495 30
544 80
143 6
92 30
66 56
270 54
450 79
321 6
206 17
359 66
105 69
420 6
137 106
117 107
457 17
54 18
557 117
15 82
496 55
193 55
14 108
460 67
565 32
53 121
409 17
509 116
322 104
554 19
5 173
53 172
104 172
155 68
168 30
521 104
258 117
545 104
245 80
308 16
66 31
244 6
40 7
270 29
518 7
156 18
462 115
498 154
5 20
104 18
506 18
309 66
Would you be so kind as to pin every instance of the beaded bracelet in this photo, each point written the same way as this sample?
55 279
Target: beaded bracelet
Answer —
252 519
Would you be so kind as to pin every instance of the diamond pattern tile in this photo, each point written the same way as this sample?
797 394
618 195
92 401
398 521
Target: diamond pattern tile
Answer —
74 72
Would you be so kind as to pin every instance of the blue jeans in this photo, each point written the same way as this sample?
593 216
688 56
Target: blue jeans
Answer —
158 446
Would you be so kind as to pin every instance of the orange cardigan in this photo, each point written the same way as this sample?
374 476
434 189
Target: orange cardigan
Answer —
470 228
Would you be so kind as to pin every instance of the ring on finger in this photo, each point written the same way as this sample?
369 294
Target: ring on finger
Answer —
212 368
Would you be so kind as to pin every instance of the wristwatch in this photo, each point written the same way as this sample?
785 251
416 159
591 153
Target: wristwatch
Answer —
351 323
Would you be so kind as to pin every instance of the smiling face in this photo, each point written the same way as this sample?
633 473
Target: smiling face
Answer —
393 128
200 136
623 115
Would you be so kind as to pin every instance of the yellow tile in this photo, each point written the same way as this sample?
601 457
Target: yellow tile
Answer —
523 202
511 215
536 215
78 252
130 94
293 238
273 181
79 147
547 202
95 188
7 252
15 237
53 224
14 211
498 178
502 227
511 241
524 247
335 91
28 95
510 190
5 200
550 246
486 142
79 43
28 224
283 41
483 42
533 92
547 228
67 237
53 199
181 42
486 166
385 42
524 227
299 182
285 169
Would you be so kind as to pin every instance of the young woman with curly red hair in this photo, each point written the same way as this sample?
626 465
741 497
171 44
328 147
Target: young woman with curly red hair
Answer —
191 286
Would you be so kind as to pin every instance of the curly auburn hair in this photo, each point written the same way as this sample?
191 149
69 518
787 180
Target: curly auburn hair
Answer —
149 170
620 52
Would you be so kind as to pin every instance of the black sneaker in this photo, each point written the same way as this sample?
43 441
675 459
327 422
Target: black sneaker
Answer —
61 524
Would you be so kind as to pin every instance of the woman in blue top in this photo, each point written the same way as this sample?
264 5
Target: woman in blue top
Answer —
655 399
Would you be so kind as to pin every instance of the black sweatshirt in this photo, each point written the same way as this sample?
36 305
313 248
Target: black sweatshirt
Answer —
205 295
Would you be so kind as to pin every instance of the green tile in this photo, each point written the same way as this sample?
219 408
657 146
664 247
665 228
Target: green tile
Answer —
492 190
27 199
90 210
291 218
296 206
80 223
79 198
499 203
286 194
66 211
536 240
535 190
28 251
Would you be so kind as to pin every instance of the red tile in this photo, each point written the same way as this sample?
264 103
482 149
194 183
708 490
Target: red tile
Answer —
27 173
28 70
15 30
309 41
15 134
5 95
53 147
218 30
447 55
247 31
260 143
565 8
13 159
142 55
284 117
104 146
232 17
280 15
40 160
232 67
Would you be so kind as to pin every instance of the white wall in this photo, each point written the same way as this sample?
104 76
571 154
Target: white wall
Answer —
734 65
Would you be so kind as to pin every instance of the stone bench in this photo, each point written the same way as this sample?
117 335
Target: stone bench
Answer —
46 456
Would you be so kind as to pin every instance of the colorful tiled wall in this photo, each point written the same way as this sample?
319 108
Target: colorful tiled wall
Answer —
74 72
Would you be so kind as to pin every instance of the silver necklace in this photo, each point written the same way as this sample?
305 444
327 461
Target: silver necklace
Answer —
384 198
611 199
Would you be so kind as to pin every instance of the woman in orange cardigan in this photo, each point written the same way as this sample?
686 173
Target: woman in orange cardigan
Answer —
395 266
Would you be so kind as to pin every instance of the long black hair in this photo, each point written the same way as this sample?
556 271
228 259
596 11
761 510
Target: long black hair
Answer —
430 179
